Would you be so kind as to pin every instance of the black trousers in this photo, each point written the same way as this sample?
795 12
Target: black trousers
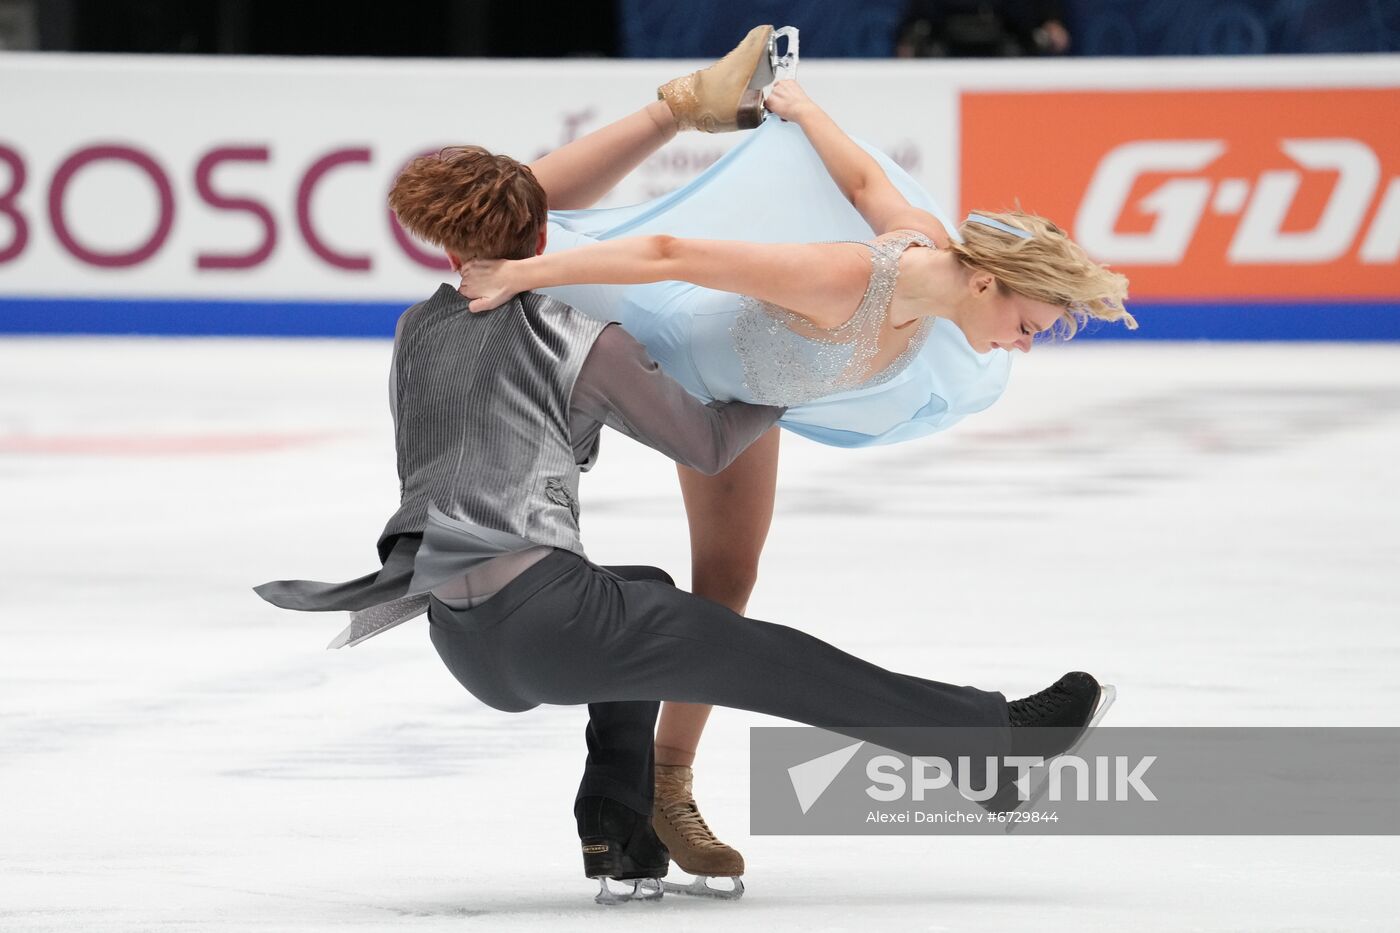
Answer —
619 735
568 632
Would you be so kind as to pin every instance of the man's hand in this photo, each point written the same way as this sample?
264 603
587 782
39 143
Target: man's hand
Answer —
487 282
789 101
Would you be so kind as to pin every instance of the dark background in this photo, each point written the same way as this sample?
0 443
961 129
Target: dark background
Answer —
682 28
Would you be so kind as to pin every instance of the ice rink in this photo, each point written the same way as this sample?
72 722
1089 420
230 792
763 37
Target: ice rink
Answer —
1215 528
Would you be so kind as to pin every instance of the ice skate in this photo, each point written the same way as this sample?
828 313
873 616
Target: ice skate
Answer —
1058 719
611 893
692 844
1106 695
705 886
728 95
620 845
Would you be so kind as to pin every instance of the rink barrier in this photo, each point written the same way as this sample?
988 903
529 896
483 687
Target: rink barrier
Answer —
1260 321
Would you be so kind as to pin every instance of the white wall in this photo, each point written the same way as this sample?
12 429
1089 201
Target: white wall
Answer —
179 110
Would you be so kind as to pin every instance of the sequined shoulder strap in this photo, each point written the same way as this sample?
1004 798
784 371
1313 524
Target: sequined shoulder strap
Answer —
884 273
897 241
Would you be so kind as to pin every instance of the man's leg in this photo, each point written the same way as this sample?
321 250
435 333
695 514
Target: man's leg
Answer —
613 805
619 735
689 649
619 764
613 808
584 636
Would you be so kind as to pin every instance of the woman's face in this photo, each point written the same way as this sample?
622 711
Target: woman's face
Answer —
1002 320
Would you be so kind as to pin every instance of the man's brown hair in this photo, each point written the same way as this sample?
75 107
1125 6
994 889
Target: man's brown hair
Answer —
473 203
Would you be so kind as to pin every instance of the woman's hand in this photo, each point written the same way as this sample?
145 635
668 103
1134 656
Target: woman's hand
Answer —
488 283
789 101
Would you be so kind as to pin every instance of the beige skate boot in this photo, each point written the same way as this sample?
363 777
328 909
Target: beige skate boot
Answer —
728 95
694 848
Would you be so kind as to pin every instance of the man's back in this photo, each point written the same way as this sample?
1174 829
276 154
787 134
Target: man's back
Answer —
481 416
496 414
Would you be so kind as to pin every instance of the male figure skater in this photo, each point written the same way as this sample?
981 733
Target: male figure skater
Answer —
496 414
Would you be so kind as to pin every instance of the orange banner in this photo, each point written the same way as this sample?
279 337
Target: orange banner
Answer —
1204 194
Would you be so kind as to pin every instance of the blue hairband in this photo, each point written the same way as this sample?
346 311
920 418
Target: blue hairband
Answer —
998 225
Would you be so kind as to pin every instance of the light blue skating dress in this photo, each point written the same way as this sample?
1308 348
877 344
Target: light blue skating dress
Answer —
843 387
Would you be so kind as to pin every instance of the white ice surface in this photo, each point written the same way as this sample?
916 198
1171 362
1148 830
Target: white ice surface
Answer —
1214 528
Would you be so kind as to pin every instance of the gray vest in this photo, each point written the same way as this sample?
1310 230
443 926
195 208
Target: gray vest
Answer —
481 416
481 423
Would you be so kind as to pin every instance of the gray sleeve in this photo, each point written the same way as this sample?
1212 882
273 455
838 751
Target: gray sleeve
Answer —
621 386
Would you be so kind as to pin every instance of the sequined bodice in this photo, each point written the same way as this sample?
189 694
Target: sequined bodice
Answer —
788 360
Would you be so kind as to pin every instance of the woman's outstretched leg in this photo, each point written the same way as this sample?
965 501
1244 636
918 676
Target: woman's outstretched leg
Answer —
719 99
729 514
578 173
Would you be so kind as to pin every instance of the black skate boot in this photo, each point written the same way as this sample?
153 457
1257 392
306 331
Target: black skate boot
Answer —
1048 723
620 844
1053 722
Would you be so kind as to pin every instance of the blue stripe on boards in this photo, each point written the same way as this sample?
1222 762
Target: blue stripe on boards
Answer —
1313 320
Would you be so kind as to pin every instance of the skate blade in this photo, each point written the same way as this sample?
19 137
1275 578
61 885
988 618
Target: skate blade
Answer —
784 66
1107 694
773 67
701 887
642 889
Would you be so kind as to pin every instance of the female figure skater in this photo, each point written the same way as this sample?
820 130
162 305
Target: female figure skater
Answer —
866 342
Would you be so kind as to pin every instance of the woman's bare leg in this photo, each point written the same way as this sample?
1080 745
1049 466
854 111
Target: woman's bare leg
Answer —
729 515
577 174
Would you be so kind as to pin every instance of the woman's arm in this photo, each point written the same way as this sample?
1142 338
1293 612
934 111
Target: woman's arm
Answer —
823 282
855 172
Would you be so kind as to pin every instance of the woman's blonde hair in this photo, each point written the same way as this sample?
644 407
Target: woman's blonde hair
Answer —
1046 266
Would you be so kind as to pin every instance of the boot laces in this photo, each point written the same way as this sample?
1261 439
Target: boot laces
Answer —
685 816
1042 705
